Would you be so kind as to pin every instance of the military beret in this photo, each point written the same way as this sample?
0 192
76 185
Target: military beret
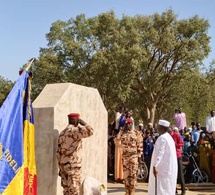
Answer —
129 120
73 115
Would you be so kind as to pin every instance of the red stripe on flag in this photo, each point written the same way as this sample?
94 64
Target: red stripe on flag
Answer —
30 183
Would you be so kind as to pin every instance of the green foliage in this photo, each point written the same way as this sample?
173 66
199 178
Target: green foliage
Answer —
136 61
5 87
192 94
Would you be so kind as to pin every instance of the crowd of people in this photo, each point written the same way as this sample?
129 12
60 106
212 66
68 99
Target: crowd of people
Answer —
196 139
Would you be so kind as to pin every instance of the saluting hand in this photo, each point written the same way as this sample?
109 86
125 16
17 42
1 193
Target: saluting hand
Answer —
82 122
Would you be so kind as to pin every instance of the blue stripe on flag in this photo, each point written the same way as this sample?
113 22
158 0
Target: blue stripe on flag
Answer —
11 132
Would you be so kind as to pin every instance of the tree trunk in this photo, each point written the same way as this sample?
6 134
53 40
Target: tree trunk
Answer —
151 113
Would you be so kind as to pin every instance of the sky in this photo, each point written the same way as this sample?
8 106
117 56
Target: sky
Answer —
25 23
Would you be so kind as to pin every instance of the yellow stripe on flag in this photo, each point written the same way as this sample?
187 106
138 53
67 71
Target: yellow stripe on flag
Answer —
29 160
16 185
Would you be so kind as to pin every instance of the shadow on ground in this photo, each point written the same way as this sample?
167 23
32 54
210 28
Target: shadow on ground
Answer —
122 189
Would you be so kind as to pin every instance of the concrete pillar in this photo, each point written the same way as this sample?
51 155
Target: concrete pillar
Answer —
50 113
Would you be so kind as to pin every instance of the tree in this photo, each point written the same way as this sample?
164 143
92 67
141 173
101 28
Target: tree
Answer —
132 59
192 94
172 48
5 88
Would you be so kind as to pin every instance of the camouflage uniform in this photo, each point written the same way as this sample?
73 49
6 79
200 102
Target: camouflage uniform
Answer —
132 144
69 156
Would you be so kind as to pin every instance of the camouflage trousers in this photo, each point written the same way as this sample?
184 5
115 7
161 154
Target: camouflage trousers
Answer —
70 179
130 165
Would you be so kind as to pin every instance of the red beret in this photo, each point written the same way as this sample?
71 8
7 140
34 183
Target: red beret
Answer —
73 115
129 120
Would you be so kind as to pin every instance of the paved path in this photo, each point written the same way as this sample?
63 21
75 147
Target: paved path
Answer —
141 189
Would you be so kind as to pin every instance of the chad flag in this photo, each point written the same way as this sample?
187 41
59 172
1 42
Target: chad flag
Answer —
17 154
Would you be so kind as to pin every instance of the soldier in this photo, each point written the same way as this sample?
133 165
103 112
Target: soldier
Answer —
132 143
69 153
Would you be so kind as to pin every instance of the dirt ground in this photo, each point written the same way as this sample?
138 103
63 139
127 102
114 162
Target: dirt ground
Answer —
142 188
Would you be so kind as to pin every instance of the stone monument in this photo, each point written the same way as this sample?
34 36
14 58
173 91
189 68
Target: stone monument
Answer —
51 108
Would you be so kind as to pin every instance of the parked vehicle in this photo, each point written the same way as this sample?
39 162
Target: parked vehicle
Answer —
142 171
192 170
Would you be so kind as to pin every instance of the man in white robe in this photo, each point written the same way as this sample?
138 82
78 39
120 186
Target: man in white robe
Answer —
164 167
210 122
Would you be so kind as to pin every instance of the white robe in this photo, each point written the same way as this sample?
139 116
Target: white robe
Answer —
210 124
165 159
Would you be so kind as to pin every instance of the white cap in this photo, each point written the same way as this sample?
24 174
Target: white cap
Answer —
175 128
189 129
164 123
141 124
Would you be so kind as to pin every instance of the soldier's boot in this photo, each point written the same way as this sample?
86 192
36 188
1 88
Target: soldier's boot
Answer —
132 191
127 192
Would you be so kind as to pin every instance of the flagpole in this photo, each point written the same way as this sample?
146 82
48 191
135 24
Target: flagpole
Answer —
29 65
